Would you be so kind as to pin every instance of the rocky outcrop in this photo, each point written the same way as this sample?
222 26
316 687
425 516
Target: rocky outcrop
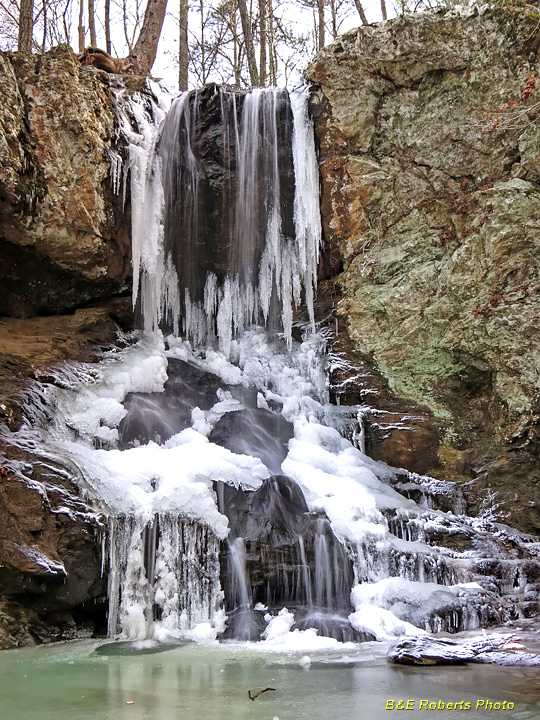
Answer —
429 133
496 650
63 241
50 539
65 263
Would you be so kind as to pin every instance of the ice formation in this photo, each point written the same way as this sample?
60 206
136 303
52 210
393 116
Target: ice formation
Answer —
149 459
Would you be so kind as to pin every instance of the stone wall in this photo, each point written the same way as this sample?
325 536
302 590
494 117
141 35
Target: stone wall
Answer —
430 144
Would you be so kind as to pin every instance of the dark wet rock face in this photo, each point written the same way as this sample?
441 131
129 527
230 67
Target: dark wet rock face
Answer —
201 170
280 555
430 194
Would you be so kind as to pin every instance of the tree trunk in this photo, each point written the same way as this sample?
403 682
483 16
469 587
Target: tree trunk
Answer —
45 26
80 27
320 43
26 24
202 45
108 44
248 41
262 41
92 23
272 65
144 53
183 57
361 12
383 10
334 18
237 50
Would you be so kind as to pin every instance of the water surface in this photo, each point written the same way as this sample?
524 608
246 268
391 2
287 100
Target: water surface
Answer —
91 680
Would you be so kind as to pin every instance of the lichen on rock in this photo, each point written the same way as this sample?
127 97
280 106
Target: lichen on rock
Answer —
429 150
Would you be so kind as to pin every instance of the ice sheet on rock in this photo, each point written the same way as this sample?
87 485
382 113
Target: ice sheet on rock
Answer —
383 624
336 477
336 480
175 477
279 638
415 601
93 410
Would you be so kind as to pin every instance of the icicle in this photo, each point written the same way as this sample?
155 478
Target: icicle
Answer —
307 216
163 576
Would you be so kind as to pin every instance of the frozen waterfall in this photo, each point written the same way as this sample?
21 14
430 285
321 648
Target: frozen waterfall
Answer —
238 501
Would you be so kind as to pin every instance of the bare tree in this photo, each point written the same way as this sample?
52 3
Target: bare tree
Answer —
92 23
202 43
183 50
262 41
144 53
45 24
80 29
383 10
361 12
237 44
333 13
248 41
108 44
272 54
26 26
320 38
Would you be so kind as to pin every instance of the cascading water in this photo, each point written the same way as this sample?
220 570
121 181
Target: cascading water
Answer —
225 253
226 475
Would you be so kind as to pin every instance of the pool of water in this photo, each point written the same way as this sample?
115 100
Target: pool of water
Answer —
91 680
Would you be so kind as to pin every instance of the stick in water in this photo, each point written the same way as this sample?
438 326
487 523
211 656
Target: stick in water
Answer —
254 697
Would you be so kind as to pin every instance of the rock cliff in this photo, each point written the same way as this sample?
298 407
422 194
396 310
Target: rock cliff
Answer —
429 136
65 263
62 240
431 200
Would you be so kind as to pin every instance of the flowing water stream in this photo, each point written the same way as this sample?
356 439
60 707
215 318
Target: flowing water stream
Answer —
239 501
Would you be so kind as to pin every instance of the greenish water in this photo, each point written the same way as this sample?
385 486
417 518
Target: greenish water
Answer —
86 680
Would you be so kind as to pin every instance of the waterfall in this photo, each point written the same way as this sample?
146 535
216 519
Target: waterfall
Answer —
233 251
208 441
